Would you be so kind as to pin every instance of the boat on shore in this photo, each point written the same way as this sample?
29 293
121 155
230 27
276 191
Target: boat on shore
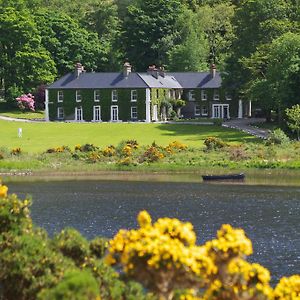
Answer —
240 177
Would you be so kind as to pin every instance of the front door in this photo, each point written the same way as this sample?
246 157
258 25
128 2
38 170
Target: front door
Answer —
114 113
97 114
78 114
220 111
154 113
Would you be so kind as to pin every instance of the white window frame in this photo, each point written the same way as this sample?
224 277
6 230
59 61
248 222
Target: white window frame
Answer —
94 113
204 114
60 113
203 95
114 96
78 96
111 113
216 95
76 114
60 96
191 95
96 95
220 111
133 96
132 113
197 110
228 97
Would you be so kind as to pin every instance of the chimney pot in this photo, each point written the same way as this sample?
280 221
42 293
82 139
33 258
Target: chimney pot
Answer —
78 69
152 70
213 70
126 69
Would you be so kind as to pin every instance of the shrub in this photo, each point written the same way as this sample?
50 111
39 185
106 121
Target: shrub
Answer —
1 155
88 148
60 149
109 151
277 137
152 154
213 143
98 246
177 146
237 153
94 157
218 122
16 151
73 245
75 285
26 102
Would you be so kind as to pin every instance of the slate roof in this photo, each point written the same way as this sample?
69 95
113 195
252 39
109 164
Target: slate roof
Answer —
166 81
192 80
177 80
98 81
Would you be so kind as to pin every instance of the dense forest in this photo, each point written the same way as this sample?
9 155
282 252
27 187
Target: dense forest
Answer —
255 43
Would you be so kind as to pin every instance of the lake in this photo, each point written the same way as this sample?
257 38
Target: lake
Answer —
268 214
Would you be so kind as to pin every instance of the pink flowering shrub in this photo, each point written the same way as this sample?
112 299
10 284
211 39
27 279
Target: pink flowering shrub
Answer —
26 102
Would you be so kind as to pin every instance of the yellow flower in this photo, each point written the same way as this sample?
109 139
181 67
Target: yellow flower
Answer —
3 191
144 219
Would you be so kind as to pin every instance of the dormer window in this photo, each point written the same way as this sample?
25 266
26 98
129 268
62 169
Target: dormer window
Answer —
96 95
78 96
133 96
191 95
114 96
203 95
216 95
60 96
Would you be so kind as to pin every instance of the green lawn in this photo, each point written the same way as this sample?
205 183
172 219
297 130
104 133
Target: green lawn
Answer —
38 137
24 115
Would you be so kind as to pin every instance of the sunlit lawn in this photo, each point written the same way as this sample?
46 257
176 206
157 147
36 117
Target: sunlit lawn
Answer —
38 137
24 115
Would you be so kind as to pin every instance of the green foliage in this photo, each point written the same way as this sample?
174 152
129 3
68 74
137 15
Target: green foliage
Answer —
73 245
213 143
98 246
278 137
218 121
293 115
77 285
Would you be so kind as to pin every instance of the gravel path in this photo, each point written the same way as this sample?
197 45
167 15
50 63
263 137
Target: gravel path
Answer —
248 125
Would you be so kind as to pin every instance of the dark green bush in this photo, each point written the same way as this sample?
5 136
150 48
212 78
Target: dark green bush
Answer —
75 285
73 245
98 247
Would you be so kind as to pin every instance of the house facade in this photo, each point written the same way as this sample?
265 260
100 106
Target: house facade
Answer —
129 96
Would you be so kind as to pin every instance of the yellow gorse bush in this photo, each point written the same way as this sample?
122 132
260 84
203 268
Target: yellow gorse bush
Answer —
163 256
3 190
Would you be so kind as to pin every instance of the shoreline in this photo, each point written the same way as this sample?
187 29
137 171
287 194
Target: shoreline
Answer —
273 177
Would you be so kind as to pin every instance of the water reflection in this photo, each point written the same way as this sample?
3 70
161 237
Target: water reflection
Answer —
270 215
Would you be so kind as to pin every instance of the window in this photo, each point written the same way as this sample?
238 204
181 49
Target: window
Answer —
114 113
216 95
60 113
78 96
78 114
134 112
191 95
60 96
96 95
204 111
97 114
157 93
114 96
228 97
197 110
203 95
133 96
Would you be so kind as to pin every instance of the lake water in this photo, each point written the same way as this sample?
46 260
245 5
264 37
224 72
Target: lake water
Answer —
270 215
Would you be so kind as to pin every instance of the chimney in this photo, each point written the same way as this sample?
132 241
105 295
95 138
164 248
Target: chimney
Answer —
78 69
162 72
126 69
213 71
152 70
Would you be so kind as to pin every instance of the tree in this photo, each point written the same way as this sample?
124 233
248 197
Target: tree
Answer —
256 23
69 43
191 50
148 31
24 62
293 115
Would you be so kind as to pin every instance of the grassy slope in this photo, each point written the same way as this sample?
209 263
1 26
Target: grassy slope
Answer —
37 137
24 115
